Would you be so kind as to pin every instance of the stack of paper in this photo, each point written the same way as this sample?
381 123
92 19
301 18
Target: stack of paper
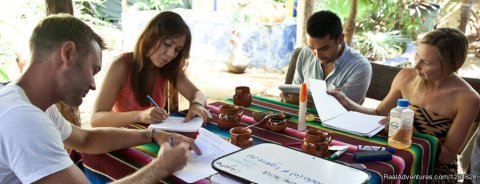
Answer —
176 124
334 115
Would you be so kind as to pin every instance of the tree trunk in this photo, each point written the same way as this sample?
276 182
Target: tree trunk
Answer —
350 24
59 6
71 113
305 10
465 14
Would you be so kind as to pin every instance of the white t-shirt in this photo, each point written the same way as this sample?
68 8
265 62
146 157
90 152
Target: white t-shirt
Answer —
31 141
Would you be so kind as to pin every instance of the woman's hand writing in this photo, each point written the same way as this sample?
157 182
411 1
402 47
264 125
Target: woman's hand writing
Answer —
152 115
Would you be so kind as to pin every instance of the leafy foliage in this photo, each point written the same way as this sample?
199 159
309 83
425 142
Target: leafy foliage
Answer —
378 46
156 4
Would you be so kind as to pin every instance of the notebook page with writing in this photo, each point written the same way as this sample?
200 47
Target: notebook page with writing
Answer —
327 106
200 166
176 124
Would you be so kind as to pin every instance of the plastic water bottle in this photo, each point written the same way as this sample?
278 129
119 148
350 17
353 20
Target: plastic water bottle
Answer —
401 125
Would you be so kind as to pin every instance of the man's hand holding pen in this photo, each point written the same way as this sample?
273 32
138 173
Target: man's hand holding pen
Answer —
174 139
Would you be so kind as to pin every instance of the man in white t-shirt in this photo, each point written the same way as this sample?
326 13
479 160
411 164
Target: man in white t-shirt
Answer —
66 54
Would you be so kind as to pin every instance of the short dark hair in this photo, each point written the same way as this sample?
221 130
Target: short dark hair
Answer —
55 29
324 23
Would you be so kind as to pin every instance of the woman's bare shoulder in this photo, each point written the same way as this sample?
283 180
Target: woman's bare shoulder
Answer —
406 75
463 90
119 65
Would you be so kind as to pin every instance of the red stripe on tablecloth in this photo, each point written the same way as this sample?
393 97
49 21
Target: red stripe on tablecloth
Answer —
116 168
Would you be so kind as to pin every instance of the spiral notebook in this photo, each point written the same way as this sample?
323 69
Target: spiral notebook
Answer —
176 124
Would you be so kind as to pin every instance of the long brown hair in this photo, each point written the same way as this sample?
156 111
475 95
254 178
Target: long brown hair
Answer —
163 26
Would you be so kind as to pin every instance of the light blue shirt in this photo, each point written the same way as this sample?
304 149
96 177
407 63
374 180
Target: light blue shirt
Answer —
351 70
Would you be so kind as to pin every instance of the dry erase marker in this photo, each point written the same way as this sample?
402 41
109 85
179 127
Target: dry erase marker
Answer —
337 154
303 97
375 148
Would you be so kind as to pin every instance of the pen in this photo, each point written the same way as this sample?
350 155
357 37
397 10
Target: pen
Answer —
375 148
153 102
337 154
170 140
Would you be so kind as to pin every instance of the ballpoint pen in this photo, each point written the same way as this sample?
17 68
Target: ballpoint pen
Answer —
153 103
337 154
170 140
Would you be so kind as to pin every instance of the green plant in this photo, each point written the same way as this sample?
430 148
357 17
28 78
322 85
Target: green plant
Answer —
378 46
342 8
156 4
3 75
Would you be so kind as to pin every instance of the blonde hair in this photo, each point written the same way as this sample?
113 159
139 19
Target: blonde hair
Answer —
451 46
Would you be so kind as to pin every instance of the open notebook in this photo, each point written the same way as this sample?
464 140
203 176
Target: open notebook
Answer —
334 115
176 124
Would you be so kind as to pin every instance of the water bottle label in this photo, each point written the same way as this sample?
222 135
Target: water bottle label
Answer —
394 126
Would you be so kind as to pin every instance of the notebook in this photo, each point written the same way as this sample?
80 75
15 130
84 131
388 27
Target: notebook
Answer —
176 124
291 88
335 116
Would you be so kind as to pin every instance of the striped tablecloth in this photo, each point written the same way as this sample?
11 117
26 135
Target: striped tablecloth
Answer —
416 161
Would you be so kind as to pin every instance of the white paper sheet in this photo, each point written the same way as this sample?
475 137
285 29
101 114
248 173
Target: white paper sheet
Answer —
176 124
200 166
327 106
356 123
334 115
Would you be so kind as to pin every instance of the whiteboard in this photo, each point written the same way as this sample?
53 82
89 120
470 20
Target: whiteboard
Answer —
272 163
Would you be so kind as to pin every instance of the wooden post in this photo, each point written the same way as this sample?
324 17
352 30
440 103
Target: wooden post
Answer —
465 14
305 10
59 6
350 24
71 113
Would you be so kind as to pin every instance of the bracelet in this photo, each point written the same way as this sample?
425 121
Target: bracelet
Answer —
198 103
153 137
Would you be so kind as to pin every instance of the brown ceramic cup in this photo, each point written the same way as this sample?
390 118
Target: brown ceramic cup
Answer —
316 142
241 136
276 122
229 116
242 96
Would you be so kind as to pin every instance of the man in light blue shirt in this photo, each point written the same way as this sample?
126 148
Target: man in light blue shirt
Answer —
328 58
